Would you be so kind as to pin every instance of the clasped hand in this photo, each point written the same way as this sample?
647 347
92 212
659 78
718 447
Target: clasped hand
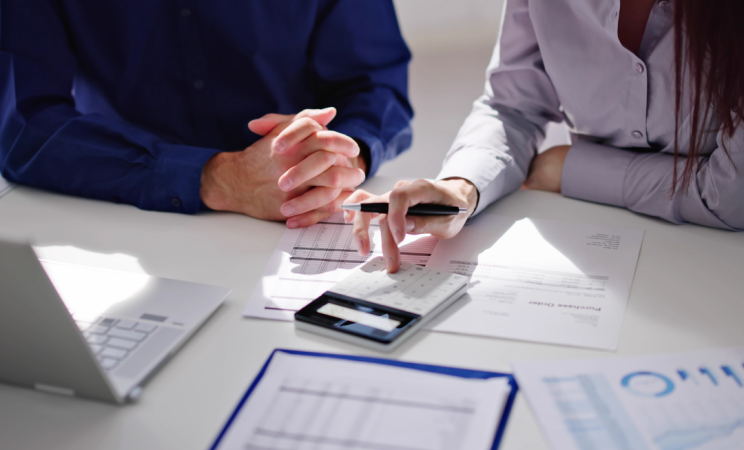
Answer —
299 171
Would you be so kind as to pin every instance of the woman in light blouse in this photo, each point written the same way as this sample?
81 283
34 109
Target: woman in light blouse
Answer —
650 132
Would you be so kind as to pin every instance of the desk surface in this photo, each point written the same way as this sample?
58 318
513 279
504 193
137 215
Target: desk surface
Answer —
687 295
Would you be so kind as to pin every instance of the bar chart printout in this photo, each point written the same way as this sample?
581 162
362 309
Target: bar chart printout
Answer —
309 261
690 401
320 403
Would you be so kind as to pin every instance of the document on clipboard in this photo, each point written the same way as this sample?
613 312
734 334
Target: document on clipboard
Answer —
329 402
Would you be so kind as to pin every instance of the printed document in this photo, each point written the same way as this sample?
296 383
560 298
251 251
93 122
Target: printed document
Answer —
540 280
535 280
685 401
309 261
305 402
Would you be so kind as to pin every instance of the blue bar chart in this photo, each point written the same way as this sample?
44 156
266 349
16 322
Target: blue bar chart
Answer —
671 402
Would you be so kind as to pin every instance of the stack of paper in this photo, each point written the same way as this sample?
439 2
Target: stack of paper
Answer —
536 280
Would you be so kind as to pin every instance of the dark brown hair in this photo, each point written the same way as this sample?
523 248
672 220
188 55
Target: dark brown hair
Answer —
709 57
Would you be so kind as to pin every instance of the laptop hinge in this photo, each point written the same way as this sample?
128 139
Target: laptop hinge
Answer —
54 389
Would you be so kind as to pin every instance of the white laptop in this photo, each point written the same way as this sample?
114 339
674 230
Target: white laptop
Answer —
90 332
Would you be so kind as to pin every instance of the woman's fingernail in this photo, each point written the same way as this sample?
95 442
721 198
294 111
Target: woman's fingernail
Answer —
346 216
287 210
279 146
286 184
399 236
409 225
389 264
292 224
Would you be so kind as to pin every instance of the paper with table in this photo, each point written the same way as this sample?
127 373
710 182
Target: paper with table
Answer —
685 401
535 280
309 261
327 403
5 186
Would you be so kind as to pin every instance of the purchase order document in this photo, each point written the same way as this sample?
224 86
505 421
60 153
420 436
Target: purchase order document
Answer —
683 401
540 280
309 261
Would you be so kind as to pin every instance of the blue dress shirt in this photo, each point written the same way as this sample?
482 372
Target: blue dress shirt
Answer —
127 100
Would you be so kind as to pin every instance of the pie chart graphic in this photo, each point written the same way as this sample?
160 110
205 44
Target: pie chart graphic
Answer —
648 384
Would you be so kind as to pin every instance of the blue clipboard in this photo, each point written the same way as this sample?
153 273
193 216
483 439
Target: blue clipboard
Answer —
455 372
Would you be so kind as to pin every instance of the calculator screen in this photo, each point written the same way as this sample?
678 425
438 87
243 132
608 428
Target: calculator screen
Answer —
354 315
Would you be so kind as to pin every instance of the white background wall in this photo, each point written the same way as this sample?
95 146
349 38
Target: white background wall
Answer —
430 25
451 42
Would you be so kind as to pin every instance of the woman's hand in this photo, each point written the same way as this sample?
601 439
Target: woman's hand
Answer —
395 225
546 169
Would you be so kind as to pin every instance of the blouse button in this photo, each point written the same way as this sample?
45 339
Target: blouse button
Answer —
637 134
639 68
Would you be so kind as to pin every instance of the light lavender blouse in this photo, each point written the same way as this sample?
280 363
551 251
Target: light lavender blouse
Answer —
561 60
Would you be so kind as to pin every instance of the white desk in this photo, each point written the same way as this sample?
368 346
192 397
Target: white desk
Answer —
688 294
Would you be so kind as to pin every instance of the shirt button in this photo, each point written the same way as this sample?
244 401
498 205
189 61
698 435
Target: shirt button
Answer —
185 12
175 201
663 3
640 68
199 85
637 134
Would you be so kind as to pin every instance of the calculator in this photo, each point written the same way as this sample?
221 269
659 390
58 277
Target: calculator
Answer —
379 310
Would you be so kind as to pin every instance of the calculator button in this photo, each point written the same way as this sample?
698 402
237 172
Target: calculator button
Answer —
108 363
124 334
145 327
121 343
109 352
95 338
126 324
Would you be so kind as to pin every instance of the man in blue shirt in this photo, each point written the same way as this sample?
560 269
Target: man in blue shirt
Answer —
146 102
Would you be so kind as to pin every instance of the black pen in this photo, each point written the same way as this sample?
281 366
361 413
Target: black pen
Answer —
422 209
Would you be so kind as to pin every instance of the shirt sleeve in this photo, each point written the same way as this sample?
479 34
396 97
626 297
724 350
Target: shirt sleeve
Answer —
45 142
360 63
498 140
642 182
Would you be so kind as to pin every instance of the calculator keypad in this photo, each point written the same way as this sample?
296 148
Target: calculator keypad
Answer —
412 288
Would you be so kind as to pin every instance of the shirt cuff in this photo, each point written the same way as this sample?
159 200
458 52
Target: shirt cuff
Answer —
596 173
374 144
481 169
179 173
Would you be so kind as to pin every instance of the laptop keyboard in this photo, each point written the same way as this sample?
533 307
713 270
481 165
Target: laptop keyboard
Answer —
112 340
